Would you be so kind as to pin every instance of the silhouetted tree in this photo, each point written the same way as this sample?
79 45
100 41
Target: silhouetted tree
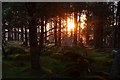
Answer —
26 37
118 26
59 33
97 9
34 54
42 32
75 28
55 32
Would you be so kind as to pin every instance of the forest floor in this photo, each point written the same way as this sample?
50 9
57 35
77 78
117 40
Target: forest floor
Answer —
55 64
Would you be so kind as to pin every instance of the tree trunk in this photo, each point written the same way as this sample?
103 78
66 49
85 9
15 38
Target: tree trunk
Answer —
15 34
75 28
35 62
98 33
59 33
18 34
66 28
22 38
115 32
87 35
55 32
118 14
115 37
35 58
42 33
45 30
119 36
3 31
26 37
79 32
115 29
9 34
12 34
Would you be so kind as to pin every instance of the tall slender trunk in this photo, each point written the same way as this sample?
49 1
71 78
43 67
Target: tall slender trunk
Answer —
66 28
12 34
71 33
118 13
79 28
18 34
87 34
119 36
35 64
9 34
115 37
75 28
22 38
26 37
114 27
3 31
55 32
98 33
45 30
59 33
35 58
15 34
42 33
4 35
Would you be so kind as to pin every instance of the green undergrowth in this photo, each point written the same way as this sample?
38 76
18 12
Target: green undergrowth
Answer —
54 64
13 47
102 60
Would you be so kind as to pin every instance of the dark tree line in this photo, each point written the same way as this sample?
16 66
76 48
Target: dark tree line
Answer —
117 28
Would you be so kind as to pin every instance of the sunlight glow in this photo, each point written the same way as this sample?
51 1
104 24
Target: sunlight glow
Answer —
70 24
82 20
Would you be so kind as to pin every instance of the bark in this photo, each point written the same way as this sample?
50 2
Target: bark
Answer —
119 36
18 34
75 29
26 37
114 34
45 31
87 37
9 34
35 62
3 49
66 28
22 38
15 34
59 33
55 32
12 35
118 13
115 37
34 55
98 34
42 33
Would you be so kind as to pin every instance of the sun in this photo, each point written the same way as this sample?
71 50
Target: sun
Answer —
70 24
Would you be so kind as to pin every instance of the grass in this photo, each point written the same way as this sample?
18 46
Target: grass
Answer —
13 68
18 65
53 65
102 61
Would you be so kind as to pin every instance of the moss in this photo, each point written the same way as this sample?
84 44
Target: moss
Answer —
54 65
